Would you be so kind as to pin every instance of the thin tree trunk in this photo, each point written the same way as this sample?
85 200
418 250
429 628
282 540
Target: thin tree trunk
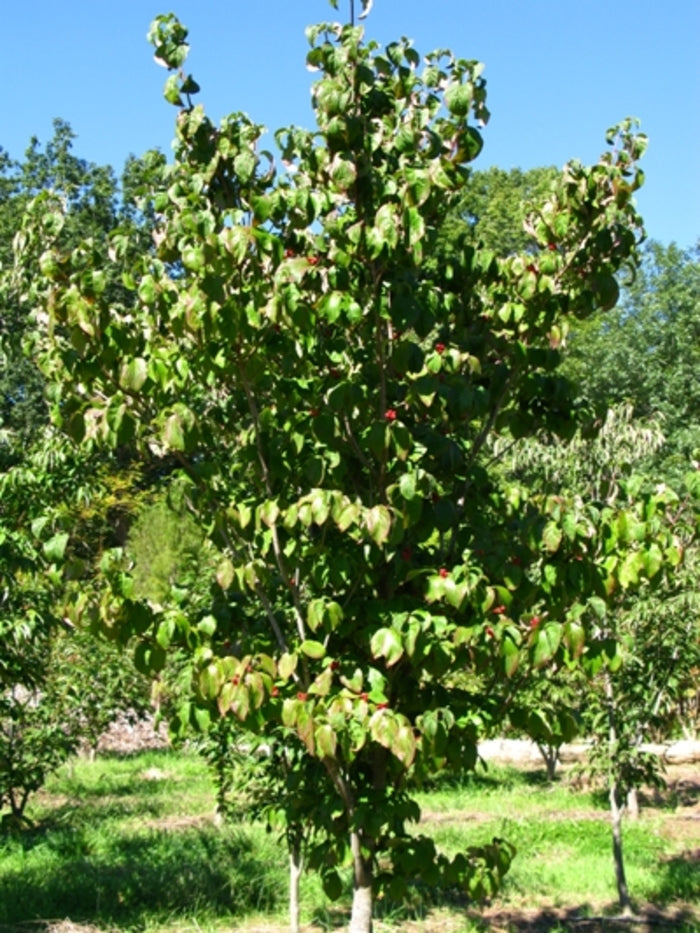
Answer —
361 916
550 757
616 809
633 803
295 870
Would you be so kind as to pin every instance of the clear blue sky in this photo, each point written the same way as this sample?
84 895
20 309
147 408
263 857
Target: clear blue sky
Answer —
559 72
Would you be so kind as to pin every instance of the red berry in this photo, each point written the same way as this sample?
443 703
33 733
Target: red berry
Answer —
440 347
499 610
490 632
275 692
303 697
382 705
444 572
312 260
363 696
534 621
552 246
390 414
289 253
334 665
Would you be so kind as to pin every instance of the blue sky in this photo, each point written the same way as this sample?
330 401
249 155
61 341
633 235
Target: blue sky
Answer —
559 72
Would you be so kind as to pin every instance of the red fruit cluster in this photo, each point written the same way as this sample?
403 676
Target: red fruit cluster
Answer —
334 665
444 572
390 414
303 697
534 621
312 260
289 254
382 705
439 347
499 610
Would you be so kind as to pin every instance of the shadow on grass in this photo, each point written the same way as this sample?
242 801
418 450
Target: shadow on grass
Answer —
678 878
582 920
131 879
491 776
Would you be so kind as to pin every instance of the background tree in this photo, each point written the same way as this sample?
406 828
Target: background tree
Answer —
493 208
647 652
647 353
50 491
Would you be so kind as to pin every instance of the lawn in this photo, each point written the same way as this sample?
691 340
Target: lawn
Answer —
131 843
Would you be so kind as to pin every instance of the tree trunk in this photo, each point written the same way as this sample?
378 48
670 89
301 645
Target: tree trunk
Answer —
633 803
361 916
295 870
616 809
618 857
550 756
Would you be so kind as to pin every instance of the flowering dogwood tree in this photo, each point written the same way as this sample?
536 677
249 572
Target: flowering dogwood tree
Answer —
329 396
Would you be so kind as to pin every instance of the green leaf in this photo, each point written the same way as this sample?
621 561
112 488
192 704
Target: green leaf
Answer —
551 537
225 573
511 656
171 91
407 485
287 665
133 375
210 681
545 641
458 98
55 547
312 649
386 643
378 524
326 741
331 881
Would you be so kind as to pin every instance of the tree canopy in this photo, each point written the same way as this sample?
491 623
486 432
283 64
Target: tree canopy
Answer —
334 405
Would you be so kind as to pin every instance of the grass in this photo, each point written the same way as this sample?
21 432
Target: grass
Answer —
130 844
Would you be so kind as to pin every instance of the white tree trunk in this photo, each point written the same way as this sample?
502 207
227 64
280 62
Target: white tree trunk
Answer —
295 870
361 916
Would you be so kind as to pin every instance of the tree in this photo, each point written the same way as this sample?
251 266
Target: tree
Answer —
646 353
48 486
647 651
329 396
493 209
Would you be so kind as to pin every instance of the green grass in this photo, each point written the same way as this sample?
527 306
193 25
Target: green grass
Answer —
129 844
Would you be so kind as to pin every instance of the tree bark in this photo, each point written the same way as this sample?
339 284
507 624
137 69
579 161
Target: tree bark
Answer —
361 916
616 809
550 756
295 870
